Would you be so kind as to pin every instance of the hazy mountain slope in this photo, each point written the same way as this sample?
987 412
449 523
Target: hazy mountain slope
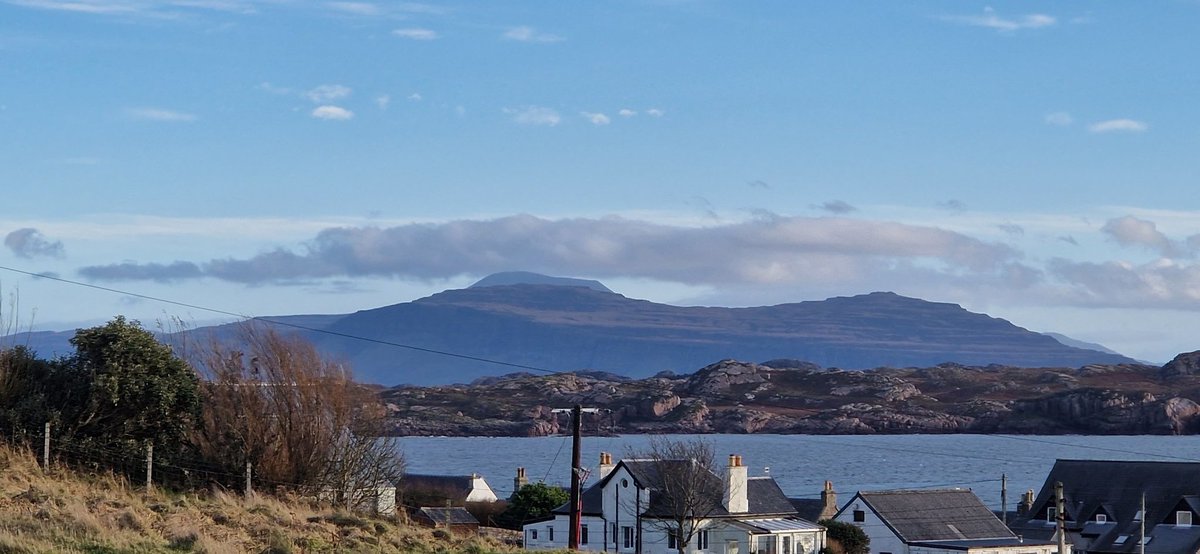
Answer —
568 328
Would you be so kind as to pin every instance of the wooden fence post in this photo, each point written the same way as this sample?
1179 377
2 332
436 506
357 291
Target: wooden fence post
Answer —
46 448
150 467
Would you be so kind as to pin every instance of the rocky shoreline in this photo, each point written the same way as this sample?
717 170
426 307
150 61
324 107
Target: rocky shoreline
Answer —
794 397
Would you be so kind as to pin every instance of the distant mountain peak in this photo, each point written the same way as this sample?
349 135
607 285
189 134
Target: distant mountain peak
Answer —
506 278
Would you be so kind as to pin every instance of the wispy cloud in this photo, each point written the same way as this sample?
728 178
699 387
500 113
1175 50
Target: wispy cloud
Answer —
991 20
416 33
144 8
1119 126
534 115
953 205
655 112
836 207
626 112
356 8
81 6
415 97
529 34
383 101
1059 119
30 243
327 93
596 118
332 113
160 115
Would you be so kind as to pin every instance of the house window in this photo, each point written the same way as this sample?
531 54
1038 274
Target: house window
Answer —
1183 518
1137 516
550 533
614 533
672 540
787 545
859 516
766 544
627 534
1121 539
1051 514
702 539
1101 518
533 534
583 534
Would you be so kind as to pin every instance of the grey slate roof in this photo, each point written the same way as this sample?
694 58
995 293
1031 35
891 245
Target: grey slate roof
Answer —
934 515
593 502
763 495
1116 488
808 508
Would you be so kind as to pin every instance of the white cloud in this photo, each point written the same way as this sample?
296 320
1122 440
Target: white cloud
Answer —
534 115
1059 119
355 8
160 114
416 33
80 6
268 87
1131 231
626 112
326 93
654 112
383 100
991 20
332 113
529 34
415 97
596 118
1118 126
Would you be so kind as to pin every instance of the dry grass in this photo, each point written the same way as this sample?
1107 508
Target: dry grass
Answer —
68 511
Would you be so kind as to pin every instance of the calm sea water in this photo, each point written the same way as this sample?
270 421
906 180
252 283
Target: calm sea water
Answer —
802 463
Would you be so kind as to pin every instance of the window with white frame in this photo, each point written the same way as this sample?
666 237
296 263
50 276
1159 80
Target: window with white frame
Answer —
1051 514
1101 518
1183 517
627 535
583 534
550 533
786 548
672 539
533 534
702 539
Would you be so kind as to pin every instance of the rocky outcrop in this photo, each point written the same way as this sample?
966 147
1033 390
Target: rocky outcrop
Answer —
739 397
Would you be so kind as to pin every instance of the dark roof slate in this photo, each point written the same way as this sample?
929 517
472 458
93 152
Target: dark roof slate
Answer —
1116 486
935 515
449 516
808 508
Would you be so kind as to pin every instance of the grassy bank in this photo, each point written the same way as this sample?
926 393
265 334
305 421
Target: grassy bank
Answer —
71 511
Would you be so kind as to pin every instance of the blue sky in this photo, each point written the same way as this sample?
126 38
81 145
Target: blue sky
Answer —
1032 160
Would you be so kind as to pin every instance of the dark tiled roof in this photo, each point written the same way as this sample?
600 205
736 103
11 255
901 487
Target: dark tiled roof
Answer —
449 516
982 543
439 482
763 495
935 515
1116 488
808 508
593 502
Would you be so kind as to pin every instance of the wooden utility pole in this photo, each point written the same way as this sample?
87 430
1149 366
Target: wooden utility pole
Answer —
576 473
1060 517
1004 498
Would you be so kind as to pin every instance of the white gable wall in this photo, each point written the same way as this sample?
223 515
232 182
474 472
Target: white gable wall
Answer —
480 491
621 501
882 537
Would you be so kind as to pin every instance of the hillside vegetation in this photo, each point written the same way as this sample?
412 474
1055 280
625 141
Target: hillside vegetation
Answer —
71 511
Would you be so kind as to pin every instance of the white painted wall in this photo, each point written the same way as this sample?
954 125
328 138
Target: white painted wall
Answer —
882 538
481 491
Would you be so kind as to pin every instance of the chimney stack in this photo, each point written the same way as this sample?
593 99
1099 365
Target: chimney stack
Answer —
606 465
829 505
735 486
520 480
1026 503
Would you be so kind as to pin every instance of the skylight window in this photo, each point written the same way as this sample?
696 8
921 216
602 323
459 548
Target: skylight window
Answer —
1121 539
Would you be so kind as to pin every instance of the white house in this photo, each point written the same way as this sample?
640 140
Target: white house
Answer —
628 511
945 521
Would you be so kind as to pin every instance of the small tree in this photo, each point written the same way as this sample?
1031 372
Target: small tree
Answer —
273 400
685 485
532 501
846 538
122 389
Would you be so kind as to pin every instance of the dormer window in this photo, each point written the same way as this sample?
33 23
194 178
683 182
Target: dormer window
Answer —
1051 514
1183 517
1101 518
